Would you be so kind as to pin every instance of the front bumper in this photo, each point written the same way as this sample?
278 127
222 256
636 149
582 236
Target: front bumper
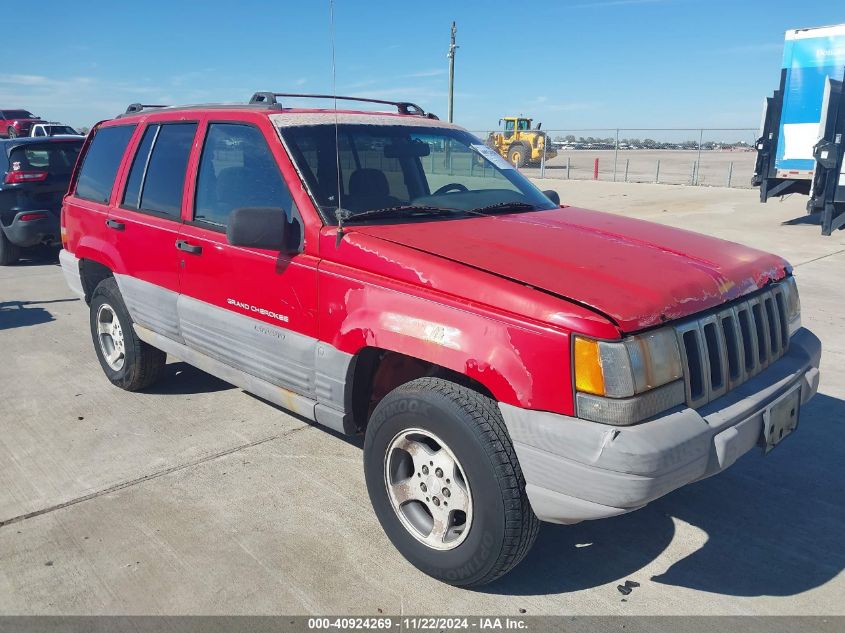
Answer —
577 470
32 232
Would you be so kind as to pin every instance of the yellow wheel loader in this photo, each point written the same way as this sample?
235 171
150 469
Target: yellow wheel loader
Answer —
520 144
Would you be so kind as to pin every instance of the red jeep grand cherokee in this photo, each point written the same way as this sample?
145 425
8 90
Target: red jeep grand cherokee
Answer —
507 359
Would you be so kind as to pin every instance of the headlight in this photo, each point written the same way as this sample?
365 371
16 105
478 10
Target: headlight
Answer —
621 369
792 306
623 382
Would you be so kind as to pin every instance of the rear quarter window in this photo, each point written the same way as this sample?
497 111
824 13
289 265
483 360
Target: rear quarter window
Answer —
101 161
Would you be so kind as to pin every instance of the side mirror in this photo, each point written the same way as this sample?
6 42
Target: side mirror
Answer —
257 227
539 125
552 195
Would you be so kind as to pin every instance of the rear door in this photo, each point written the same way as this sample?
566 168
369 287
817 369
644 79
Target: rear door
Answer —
86 209
251 308
145 223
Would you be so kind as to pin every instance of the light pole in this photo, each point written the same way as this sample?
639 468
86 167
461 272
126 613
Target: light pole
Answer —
451 56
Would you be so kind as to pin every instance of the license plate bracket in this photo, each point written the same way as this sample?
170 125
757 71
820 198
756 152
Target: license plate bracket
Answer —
780 418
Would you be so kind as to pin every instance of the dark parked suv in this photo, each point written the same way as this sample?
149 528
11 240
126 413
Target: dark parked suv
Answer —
34 175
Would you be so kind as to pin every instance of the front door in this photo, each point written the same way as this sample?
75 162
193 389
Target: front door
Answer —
253 309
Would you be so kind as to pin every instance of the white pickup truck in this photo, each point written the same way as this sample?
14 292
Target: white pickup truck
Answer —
52 129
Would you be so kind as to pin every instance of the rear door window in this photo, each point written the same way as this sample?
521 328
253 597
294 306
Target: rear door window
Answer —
157 178
99 167
132 194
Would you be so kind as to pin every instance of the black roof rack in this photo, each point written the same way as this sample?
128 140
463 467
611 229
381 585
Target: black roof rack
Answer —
403 107
269 100
134 108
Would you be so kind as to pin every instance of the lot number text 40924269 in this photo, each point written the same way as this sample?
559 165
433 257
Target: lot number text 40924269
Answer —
421 623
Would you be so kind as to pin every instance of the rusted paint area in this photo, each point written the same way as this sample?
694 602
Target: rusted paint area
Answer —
379 258
424 330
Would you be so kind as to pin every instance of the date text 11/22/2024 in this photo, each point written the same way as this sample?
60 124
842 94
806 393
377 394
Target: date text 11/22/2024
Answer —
421 623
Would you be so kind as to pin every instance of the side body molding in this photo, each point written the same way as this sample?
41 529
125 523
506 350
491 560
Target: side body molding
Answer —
296 372
151 306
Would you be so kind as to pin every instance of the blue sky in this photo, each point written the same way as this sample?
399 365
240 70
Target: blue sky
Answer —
567 63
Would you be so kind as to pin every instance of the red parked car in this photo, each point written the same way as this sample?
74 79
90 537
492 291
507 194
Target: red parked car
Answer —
15 123
507 359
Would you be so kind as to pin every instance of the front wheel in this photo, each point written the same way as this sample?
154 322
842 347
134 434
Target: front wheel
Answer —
519 155
12 132
445 482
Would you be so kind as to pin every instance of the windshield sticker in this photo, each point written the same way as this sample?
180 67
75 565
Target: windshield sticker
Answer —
492 156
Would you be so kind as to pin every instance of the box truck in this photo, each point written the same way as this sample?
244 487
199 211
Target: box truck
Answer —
792 123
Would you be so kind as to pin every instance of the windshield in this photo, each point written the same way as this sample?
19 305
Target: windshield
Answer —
53 130
392 166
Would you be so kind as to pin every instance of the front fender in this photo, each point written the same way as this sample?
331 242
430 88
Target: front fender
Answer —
519 362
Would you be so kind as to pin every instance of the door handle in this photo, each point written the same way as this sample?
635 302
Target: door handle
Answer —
182 245
114 224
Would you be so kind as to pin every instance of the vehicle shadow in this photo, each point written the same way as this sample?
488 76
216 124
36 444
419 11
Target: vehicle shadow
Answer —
814 218
38 256
181 379
15 314
770 525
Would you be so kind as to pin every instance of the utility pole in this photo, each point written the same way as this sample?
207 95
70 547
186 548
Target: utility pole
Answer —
451 56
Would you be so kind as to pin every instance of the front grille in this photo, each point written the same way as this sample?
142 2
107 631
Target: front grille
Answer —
724 349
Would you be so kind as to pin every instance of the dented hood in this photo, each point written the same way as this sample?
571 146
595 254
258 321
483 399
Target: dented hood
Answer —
639 274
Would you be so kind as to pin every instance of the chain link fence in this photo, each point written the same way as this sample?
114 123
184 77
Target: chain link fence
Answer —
680 156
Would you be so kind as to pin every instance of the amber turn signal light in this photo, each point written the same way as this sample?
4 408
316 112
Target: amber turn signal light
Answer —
588 372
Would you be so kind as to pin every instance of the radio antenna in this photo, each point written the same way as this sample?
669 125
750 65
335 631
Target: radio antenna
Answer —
340 213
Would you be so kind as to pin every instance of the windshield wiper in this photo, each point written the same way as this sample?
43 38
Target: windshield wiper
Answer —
344 215
401 209
514 205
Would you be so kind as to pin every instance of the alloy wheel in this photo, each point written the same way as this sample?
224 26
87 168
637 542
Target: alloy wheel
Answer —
428 489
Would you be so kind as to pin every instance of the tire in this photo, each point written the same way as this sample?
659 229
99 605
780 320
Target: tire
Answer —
11 132
518 155
453 427
127 361
9 253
